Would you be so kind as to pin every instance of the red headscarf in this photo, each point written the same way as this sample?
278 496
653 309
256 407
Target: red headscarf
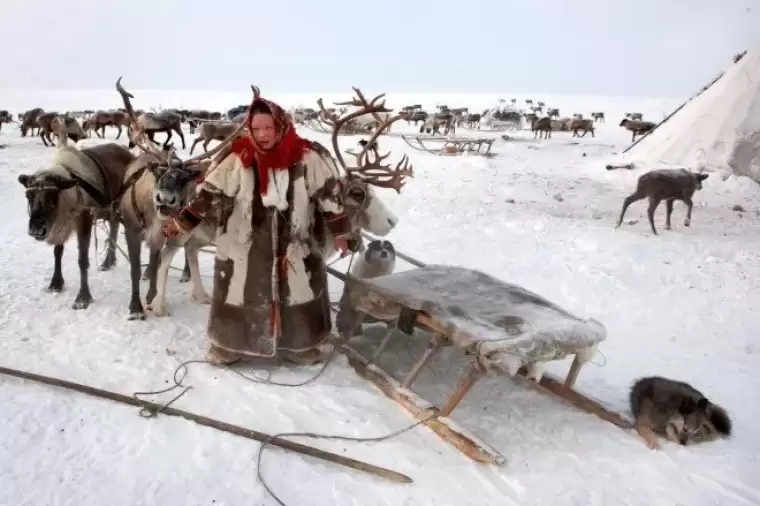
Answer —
288 147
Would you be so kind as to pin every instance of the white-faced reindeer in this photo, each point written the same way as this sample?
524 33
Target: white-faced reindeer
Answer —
144 209
363 206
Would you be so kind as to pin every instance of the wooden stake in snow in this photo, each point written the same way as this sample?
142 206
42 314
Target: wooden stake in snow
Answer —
215 424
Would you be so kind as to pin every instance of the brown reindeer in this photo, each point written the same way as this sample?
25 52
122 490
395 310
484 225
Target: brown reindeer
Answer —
45 124
5 117
167 122
144 211
29 121
542 128
216 131
578 124
197 117
668 185
598 117
66 128
637 127
552 113
64 197
101 119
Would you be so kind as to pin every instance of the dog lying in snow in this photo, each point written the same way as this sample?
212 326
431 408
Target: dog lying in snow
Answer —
677 411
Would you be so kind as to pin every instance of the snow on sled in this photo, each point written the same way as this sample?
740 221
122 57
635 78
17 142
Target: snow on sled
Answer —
450 145
506 329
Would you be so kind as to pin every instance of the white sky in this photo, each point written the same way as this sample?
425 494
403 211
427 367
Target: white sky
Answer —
607 47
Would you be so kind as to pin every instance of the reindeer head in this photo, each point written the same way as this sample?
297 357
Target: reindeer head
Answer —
699 177
43 194
173 176
364 207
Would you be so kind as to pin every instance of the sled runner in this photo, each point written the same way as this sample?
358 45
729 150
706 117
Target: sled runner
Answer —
506 329
495 126
450 145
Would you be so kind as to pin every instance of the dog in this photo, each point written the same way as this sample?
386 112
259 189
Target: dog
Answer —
377 258
677 411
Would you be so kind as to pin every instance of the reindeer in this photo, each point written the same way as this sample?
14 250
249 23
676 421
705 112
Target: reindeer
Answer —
362 205
433 124
552 113
636 116
5 117
101 119
472 120
668 185
65 196
156 122
144 214
214 132
598 117
66 128
586 125
45 124
198 117
637 127
29 120
542 127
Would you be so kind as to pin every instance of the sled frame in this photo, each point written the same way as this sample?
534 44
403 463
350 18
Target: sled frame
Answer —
401 391
475 146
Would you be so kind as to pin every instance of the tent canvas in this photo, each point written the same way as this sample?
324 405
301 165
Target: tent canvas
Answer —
718 129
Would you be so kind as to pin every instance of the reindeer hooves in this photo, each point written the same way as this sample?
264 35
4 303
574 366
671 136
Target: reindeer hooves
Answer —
159 310
202 297
686 223
55 286
184 278
136 315
108 264
82 302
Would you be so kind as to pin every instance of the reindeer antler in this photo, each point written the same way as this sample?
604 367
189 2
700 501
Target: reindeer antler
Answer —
371 171
140 136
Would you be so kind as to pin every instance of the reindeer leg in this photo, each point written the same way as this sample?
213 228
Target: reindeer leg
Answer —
668 212
634 197
195 143
199 292
186 272
168 138
118 132
136 311
653 203
113 231
84 234
42 136
205 145
158 305
153 267
181 135
689 207
56 283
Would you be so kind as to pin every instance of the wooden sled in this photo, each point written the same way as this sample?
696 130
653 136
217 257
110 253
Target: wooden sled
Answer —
443 301
450 145
320 126
496 126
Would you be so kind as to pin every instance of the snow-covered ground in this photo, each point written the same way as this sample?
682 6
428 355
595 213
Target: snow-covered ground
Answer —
541 214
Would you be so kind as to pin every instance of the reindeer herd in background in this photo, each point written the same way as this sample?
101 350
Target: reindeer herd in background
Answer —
216 126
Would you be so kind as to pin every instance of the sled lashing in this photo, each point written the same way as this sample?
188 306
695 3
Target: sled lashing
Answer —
506 329
450 145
